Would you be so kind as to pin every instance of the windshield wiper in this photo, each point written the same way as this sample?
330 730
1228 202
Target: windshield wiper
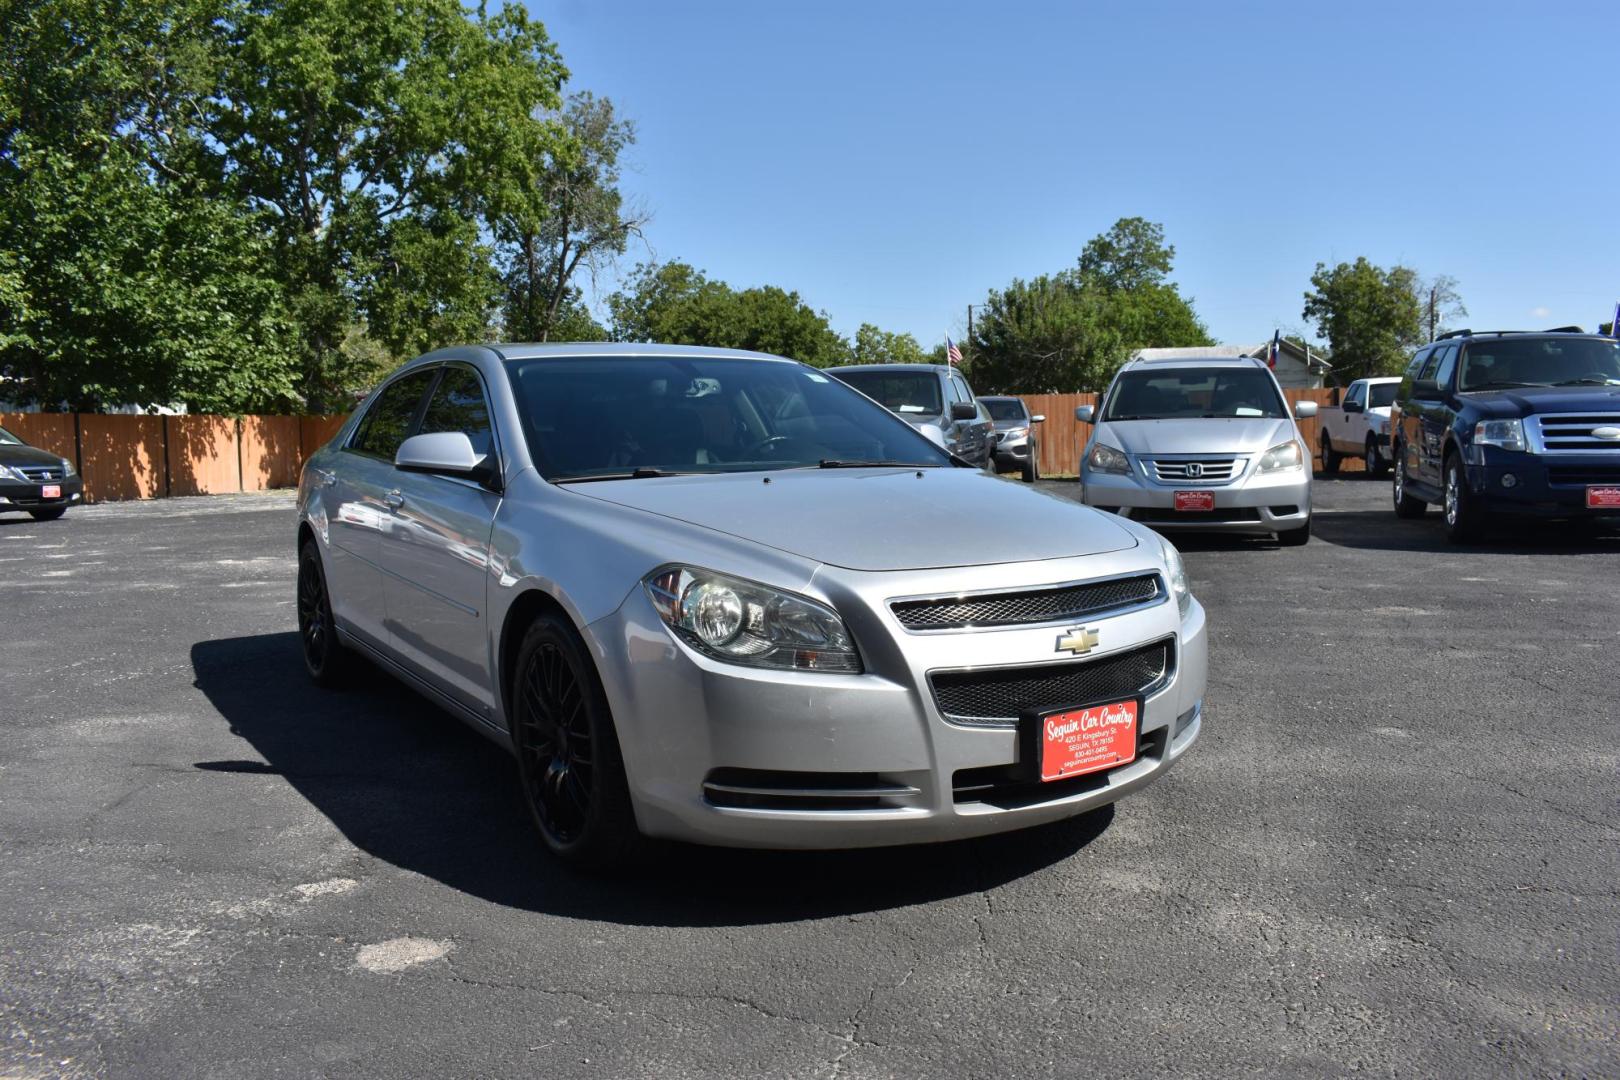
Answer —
834 463
1588 381
1504 384
640 472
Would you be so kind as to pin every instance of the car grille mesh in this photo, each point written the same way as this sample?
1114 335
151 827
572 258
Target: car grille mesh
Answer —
1027 606
999 695
1208 470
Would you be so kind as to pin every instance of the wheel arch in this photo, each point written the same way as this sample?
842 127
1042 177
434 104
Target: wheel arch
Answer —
523 611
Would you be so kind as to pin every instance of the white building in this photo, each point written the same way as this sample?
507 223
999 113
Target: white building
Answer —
1297 368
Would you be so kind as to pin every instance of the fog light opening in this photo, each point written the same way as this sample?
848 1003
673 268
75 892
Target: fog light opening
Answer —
1509 480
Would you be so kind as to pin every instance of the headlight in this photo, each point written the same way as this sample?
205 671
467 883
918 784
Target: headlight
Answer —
68 469
1286 455
1105 458
1015 433
1508 434
743 622
8 473
1177 572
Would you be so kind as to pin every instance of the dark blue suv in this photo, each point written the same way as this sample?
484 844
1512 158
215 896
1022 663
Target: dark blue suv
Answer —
1509 422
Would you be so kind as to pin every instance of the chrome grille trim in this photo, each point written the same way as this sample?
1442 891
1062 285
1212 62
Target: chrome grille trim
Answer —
1211 470
41 473
1045 605
1570 433
993 697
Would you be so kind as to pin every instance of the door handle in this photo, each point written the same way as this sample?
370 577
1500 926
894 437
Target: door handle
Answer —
394 500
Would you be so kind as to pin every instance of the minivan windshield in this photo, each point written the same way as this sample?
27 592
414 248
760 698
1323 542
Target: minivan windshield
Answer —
1382 395
1509 362
8 439
611 417
912 392
1005 408
1193 393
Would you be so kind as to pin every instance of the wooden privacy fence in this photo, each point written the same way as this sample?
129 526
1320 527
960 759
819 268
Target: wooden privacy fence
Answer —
148 457
1063 439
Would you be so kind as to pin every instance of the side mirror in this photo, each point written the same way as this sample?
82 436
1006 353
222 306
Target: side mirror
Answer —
1304 409
449 453
1427 389
963 410
1037 419
1354 407
1083 414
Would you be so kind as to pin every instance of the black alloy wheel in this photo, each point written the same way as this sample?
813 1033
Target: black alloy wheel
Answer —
324 656
568 753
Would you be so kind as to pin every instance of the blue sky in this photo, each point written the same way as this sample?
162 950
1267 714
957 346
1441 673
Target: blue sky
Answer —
893 161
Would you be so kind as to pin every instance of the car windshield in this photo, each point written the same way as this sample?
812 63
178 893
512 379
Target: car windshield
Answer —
1504 363
1382 395
624 417
910 392
1006 409
8 439
1190 393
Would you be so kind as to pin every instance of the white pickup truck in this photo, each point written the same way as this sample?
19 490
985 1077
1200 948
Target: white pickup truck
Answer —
1360 426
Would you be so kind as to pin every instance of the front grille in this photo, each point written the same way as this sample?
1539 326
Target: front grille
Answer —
40 474
1008 787
778 789
1581 476
1207 470
1573 432
1057 604
1150 515
998 695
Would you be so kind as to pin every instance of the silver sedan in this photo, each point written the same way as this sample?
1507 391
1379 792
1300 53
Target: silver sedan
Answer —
721 597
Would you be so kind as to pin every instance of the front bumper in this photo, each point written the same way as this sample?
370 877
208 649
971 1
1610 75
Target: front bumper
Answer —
697 734
1252 503
17 495
1012 453
1542 485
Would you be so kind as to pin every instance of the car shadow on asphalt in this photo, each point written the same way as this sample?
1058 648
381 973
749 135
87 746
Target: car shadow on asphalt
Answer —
409 784
1381 530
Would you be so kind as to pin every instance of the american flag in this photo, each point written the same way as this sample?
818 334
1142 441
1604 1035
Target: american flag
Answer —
1614 327
1276 348
953 355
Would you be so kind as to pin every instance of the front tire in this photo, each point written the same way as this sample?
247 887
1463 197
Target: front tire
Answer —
1464 521
1296 537
47 515
1374 461
325 658
1032 467
568 750
1405 505
1330 456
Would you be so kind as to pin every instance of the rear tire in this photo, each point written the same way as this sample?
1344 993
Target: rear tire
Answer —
1296 537
1405 505
1464 521
568 750
47 515
1330 456
325 658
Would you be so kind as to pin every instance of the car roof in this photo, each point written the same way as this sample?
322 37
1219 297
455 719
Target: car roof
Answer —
532 350
1193 362
937 368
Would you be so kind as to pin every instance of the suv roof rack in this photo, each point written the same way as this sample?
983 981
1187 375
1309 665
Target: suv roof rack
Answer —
1455 333
1564 330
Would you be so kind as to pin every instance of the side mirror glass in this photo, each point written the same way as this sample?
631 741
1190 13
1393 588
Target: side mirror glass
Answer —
1304 409
1083 414
447 452
1037 419
963 410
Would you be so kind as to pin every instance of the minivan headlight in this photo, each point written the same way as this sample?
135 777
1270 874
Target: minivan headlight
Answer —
8 473
1105 458
1507 434
744 622
1176 571
1286 455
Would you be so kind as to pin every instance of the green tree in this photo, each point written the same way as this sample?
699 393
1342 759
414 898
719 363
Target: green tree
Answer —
676 304
876 346
1071 330
575 218
1370 316
378 136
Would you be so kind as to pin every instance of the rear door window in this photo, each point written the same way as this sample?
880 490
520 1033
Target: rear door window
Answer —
388 421
1448 365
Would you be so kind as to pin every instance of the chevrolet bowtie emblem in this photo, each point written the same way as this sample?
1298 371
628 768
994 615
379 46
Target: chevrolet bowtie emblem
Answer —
1078 641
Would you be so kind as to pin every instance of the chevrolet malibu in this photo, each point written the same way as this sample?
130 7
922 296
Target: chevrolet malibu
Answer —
1205 444
720 597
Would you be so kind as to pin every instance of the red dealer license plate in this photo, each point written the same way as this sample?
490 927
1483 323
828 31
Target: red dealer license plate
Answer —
1082 741
1195 500
51 491
1603 498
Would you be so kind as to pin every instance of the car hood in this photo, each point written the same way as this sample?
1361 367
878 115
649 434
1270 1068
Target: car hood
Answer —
1213 436
1549 399
878 519
11 454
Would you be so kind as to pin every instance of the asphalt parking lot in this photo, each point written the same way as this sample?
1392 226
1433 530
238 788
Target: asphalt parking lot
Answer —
1395 850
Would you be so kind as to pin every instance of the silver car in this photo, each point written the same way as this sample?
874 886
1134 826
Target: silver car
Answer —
1016 447
721 597
933 398
1203 444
